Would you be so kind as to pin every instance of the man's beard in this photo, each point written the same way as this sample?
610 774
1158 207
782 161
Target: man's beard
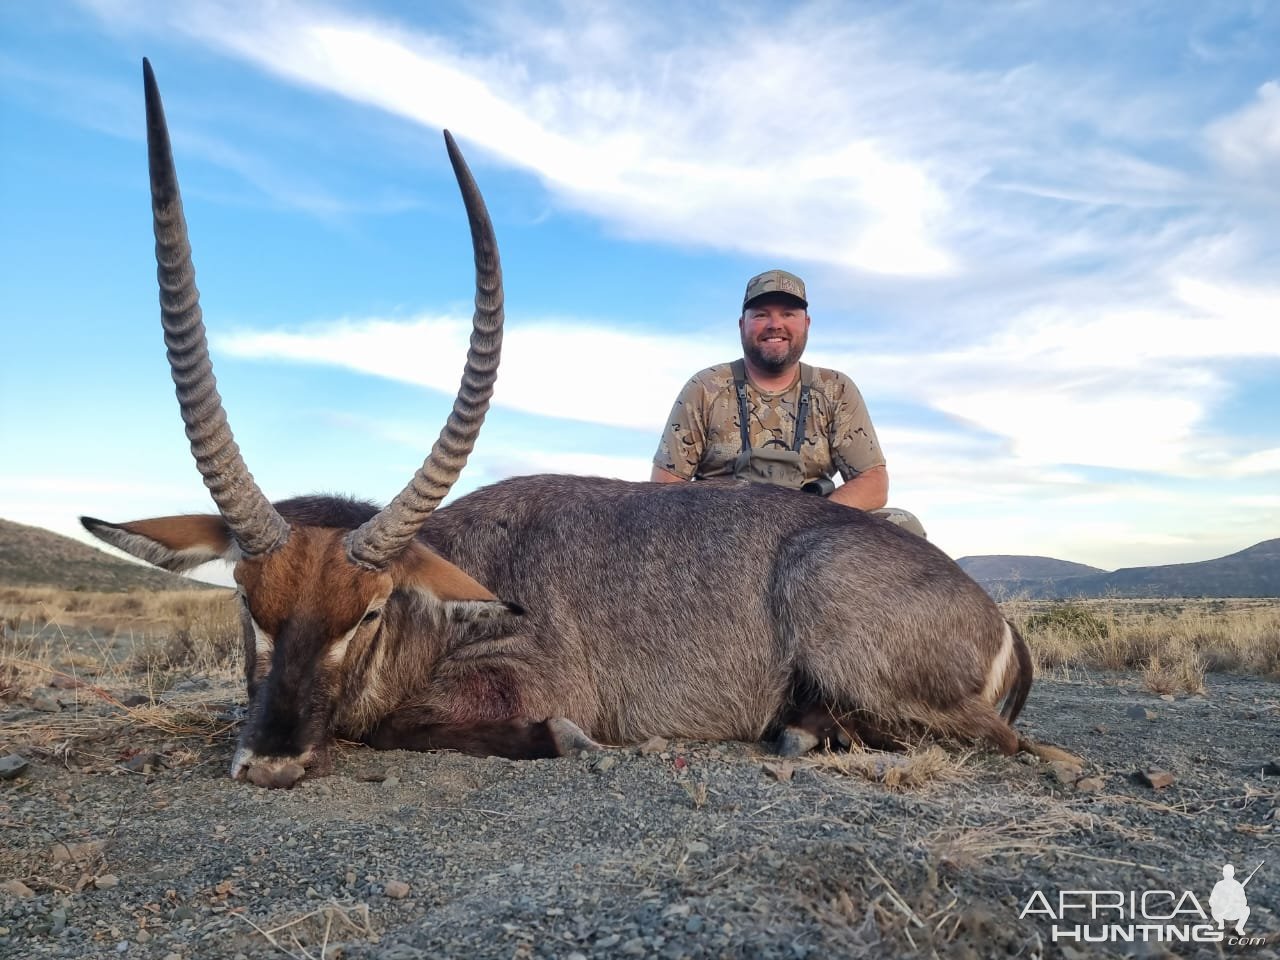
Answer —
775 360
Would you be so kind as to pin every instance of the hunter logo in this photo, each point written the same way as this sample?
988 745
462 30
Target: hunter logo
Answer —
1139 916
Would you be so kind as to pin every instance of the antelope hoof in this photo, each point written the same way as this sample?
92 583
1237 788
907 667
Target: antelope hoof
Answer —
569 738
795 742
274 776
270 772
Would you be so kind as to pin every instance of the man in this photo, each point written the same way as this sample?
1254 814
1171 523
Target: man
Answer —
769 418
1228 900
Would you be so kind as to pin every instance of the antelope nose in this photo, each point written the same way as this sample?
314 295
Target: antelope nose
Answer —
273 776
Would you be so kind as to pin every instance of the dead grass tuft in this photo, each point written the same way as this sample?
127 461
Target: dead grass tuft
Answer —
1184 674
917 768
967 847
307 936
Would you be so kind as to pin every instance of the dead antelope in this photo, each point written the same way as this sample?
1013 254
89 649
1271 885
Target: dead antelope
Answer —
542 614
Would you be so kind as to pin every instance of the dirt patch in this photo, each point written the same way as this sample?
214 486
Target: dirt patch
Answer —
126 837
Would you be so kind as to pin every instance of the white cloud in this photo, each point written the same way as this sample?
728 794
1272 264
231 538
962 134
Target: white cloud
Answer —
1247 142
631 378
612 144
1128 389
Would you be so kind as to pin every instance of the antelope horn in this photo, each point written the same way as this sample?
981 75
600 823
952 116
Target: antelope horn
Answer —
254 522
386 535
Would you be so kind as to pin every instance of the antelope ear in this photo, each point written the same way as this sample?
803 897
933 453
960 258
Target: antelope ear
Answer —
446 587
174 543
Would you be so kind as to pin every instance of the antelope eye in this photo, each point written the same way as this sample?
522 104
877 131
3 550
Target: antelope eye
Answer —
371 616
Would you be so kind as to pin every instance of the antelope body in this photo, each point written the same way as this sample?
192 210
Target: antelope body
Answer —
543 614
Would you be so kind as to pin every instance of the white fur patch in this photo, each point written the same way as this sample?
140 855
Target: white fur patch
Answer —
994 688
334 656
263 642
154 552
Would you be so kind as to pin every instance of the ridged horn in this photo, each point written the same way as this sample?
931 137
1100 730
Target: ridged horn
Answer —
253 520
386 535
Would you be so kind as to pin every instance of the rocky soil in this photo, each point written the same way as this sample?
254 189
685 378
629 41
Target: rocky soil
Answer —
121 835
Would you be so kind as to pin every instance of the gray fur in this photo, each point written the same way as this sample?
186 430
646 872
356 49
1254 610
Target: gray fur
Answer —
691 610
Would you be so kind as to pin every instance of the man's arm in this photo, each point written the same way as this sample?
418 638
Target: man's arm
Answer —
660 475
869 490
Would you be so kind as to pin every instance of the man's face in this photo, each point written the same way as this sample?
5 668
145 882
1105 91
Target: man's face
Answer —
774 332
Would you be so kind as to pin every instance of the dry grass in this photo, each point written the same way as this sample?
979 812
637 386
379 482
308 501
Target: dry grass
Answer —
112 611
1172 642
898 771
307 937
967 846
91 652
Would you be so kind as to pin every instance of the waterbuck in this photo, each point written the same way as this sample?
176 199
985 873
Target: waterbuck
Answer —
546 614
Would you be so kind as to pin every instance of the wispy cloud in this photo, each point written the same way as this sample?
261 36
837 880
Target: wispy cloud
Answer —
1127 389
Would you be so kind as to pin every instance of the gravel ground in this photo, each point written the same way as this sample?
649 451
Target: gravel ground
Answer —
124 839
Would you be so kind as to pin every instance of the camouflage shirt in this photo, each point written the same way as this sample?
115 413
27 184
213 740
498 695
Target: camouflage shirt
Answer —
702 437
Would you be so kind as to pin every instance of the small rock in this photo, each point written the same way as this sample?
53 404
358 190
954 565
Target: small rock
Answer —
63 681
106 881
653 745
633 947
135 700
1064 771
66 852
605 764
392 781
1089 785
396 889
192 685
45 702
1271 768
611 940
142 763
12 766
16 888
1155 778
1139 712
696 847
782 772
1100 728
1167 697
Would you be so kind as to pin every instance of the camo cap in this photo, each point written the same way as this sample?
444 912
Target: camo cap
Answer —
774 281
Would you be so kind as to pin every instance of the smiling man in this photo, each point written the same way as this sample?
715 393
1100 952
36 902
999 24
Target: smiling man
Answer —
768 418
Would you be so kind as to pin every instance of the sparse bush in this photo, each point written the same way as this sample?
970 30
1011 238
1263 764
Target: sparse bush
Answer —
1173 642
1072 620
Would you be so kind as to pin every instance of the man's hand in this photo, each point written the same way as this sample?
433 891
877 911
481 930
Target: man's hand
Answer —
660 475
869 490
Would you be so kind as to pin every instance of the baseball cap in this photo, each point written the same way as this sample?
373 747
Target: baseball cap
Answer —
775 281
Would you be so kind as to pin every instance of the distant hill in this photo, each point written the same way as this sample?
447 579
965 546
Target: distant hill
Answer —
35 557
1006 567
1252 572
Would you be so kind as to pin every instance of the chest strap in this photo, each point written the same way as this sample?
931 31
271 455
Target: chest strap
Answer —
739 369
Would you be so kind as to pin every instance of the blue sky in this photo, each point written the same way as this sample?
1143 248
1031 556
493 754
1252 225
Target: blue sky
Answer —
1039 236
